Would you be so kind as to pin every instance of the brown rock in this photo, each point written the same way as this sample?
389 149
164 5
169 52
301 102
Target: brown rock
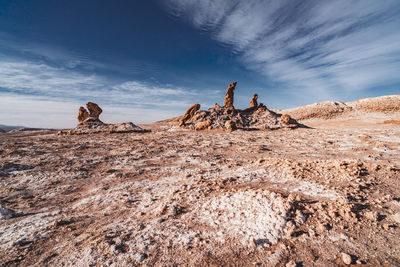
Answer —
262 107
94 110
253 102
83 114
285 118
216 106
346 258
189 113
202 125
228 102
230 126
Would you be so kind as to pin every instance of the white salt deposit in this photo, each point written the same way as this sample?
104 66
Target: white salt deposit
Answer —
256 217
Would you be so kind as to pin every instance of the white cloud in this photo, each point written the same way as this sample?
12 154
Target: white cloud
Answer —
48 113
311 47
39 95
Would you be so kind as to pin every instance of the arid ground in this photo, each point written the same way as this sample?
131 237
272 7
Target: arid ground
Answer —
327 195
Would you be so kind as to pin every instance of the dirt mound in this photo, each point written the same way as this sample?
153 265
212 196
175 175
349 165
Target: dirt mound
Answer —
386 104
323 110
330 109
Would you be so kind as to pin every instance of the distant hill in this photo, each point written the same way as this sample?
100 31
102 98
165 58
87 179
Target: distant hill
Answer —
327 110
7 128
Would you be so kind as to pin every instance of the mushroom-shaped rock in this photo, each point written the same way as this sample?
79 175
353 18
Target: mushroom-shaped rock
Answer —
189 113
83 114
94 110
228 102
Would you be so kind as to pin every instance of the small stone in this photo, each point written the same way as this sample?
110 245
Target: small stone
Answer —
139 257
386 226
6 214
300 218
346 258
291 263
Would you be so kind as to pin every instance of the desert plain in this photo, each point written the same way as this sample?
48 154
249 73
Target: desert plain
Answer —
326 194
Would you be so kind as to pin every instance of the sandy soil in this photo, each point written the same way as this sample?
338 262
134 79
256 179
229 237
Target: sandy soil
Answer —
328 195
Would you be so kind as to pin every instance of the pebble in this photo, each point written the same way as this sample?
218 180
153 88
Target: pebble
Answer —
346 258
6 214
291 263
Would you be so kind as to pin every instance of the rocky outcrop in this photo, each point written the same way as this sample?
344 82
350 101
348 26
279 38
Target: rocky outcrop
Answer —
202 125
228 102
90 123
83 114
189 113
94 110
227 118
89 119
253 102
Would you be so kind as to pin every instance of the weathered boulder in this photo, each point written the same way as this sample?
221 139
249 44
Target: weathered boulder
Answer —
230 126
228 102
83 114
202 125
90 123
253 102
189 113
285 118
94 110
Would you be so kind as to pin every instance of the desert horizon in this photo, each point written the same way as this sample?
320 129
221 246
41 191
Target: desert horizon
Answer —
200 133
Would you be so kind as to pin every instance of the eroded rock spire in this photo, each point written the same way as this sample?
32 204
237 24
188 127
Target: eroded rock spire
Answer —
228 102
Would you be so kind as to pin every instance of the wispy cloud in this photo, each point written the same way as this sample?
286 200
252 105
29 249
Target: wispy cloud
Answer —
60 91
33 79
312 47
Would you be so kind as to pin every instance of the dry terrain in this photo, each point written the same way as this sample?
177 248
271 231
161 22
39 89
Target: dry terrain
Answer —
327 195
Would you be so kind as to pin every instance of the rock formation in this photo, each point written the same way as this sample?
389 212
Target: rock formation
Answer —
90 123
253 102
202 125
228 102
285 118
189 113
94 110
91 117
230 126
83 114
257 116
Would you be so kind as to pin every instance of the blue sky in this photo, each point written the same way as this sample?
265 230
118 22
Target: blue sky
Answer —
143 61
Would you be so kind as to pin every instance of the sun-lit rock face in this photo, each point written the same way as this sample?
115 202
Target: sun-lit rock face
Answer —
86 118
253 102
94 110
83 114
228 102
189 113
